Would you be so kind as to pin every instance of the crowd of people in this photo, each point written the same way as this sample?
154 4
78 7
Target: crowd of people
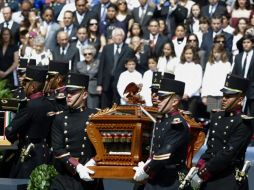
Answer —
81 55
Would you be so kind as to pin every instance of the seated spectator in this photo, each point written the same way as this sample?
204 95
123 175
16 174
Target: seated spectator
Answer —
127 77
90 66
39 52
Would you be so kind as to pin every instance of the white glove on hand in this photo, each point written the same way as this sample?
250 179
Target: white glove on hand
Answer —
91 162
196 181
84 172
140 174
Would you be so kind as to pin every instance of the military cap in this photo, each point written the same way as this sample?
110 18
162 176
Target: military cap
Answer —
170 86
34 73
235 84
56 67
157 76
77 81
23 63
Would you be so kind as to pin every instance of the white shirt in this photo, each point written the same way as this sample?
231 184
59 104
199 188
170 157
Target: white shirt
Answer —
191 75
140 11
80 17
179 46
126 78
81 46
146 92
210 86
119 48
9 24
154 38
167 66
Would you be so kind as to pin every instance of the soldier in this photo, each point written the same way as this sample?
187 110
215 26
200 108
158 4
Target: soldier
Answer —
230 134
72 149
169 144
55 84
31 126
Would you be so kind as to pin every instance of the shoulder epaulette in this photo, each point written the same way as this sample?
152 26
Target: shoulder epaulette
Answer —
176 121
52 113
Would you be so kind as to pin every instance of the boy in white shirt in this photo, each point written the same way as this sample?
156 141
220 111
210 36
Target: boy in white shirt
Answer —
127 77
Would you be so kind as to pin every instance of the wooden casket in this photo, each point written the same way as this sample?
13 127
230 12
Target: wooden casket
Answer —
121 136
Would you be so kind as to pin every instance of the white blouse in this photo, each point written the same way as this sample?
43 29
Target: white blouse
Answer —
167 66
191 75
214 78
146 92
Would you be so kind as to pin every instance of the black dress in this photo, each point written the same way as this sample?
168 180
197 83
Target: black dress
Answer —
6 60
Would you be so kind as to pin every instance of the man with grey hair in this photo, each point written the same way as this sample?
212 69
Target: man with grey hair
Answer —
112 61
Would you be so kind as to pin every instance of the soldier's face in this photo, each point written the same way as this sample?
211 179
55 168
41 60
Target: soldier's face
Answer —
76 99
165 105
231 102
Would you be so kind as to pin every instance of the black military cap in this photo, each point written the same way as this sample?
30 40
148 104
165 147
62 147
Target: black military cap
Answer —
157 76
235 84
34 73
56 67
170 86
23 63
77 81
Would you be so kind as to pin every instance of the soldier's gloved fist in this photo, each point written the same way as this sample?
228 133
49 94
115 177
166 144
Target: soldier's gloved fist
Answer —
196 181
91 162
84 172
140 174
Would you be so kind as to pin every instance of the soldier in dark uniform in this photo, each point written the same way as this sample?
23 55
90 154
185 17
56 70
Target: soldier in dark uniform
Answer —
72 149
230 134
169 144
31 126
55 84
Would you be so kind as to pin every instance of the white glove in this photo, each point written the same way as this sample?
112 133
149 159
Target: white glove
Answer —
196 181
91 162
84 172
140 174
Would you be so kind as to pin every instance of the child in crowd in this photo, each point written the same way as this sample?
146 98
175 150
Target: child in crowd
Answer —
127 77
146 92
168 61
217 63
189 71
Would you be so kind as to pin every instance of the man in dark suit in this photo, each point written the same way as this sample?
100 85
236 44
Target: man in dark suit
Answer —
65 51
174 14
214 8
208 38
143 14
82 14
244 66
100 10
155 39
9 23
112 61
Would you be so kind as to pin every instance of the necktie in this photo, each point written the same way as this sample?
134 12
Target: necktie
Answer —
116 57
62 50
244 65
7 24
142 14
211 10
103 12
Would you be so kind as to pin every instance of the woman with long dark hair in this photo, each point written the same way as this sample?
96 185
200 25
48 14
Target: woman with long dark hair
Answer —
8 58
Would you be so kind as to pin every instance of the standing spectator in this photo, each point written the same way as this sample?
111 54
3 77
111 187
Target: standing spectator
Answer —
242 9
168 61
192 22
9 23
39 52
179 40
101 10
135 30
81 41
25 47
112 62
8 58
156 40
34 24
82 14
142 52
90 66
226 24
131 75
189 71
143 14
70 140
214 8
146 92
217 63
25 7
163 27
31 126
174 15
50 27
93 35
243 66
65 51
68 25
